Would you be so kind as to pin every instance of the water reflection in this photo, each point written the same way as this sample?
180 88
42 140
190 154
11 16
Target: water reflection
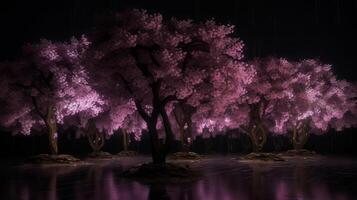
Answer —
328 180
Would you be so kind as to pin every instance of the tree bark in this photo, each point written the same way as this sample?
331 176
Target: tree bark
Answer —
300 136
182 114
169 136
125 140
256 129
52 137
158 150
258 137
188 134
156 154
51 126
96 141
95 138
182 137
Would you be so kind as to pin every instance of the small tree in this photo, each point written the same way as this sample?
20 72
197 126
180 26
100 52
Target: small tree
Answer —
95 138
271 84
117 115
133 126
317 102
48 85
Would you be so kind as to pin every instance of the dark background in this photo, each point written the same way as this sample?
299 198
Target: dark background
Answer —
295 29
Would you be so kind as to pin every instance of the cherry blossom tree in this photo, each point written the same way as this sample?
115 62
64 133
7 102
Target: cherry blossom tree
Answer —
133 125
349 119
116 115
271 84
95 137
283 97
142 57
122 116
47 85
287 96
86 126
316 101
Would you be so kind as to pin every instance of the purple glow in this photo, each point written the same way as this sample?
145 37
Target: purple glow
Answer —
314 179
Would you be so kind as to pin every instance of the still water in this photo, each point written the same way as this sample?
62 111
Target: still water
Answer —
226 178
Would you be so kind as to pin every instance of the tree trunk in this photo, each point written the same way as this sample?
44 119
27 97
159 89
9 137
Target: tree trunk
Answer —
300 137
156 149
181 117
169 136
258 137
256 129
125 140
183 139
209 144
229 143
96 141
95 138
158 155
186 136
52 138
52 129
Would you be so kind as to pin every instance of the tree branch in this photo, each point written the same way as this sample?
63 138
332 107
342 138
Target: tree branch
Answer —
245 129
44 78
143 67
138 105
168 99
25 87
34 102
168 129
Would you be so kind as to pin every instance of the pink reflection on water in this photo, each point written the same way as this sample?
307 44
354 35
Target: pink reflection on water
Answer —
24 193
119 191
223 182
281 191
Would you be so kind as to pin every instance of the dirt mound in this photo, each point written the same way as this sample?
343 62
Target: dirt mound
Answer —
127 153
100 154
300 152
185 156
53 159
262 157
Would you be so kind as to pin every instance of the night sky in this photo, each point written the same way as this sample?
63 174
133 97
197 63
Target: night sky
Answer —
296 29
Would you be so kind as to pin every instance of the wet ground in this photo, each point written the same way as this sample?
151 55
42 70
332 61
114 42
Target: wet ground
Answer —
225 178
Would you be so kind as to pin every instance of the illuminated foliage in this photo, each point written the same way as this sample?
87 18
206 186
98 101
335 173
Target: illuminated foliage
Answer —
47 85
